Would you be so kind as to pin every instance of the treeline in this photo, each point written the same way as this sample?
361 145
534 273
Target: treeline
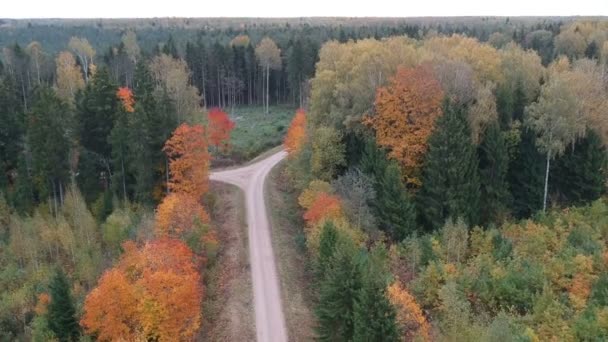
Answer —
430 171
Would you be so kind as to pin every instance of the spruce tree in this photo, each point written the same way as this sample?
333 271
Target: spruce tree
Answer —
393 207
579 174
493 167
61 313
327 246
450 182
526 177
97 107
338 291
374 316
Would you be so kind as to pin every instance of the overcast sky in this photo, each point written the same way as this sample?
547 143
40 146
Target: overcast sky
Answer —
297 8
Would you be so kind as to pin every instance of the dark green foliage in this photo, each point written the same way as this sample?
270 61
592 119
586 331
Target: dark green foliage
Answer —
170 49
11 129
374 316
61 312
327 247
393 207
338 291
526 177
493 167
97 107
579 174
450 182
48 129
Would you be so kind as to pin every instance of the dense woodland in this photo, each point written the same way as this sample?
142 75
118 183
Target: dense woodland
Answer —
450 172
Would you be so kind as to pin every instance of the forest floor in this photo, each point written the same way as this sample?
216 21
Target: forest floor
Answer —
290 251
228 313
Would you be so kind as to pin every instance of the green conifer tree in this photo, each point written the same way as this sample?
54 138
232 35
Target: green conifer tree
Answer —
493 167
450 182
61 312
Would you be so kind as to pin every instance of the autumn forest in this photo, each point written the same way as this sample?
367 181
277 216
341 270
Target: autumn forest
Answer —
444 179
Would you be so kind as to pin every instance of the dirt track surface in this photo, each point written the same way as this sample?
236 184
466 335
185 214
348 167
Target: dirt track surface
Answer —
269 319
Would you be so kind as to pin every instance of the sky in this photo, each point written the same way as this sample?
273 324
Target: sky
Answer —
299 8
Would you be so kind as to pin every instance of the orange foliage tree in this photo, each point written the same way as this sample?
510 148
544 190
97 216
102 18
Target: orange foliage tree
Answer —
219 128
410 318
126 97
153 293
188 155
296 134
179 213
406 111
324 206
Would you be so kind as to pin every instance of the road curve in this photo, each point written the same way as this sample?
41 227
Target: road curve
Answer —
269 319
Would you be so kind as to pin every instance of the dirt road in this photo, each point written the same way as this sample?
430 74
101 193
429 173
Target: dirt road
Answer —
269 319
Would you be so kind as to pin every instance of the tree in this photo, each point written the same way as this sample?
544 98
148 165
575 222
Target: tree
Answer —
269 57
406 111
296 133
61 312
12 127
178 214
374 316
493 168
393 207
188 160
580 172
129 40
219 128
337 294
324 207
526 176
555 119
156 292
48 127
409 316
327 153
450 183
69 78
328 241
172 76
85 53
126 97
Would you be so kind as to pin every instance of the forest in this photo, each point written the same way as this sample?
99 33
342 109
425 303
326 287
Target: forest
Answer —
450 173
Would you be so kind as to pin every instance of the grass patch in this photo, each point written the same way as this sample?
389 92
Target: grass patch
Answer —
256 132
228 313
293 263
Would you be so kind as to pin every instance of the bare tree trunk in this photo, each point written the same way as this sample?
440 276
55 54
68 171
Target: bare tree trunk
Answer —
61 193
124 183
55 198
546 183
267 86
167 173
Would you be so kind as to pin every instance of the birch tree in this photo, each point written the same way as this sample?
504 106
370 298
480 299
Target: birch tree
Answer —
85 53
269 57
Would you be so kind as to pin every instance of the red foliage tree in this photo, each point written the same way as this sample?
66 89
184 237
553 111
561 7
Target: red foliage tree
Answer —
325 206
296 133
188 155
126 97
219 128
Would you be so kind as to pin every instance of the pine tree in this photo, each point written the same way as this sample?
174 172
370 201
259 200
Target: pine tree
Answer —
493 167
526 177
337 294
579 174
61 313
11 129
450 182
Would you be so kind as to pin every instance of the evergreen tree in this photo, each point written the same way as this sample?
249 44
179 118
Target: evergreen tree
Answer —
170 48
119 139
493 167
48 127
374 316
327 246
97 108
338 291
61 312
526 177
579 174
393 207
11 129
450 182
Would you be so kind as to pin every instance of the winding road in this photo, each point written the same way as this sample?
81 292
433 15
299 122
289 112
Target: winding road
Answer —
269 319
